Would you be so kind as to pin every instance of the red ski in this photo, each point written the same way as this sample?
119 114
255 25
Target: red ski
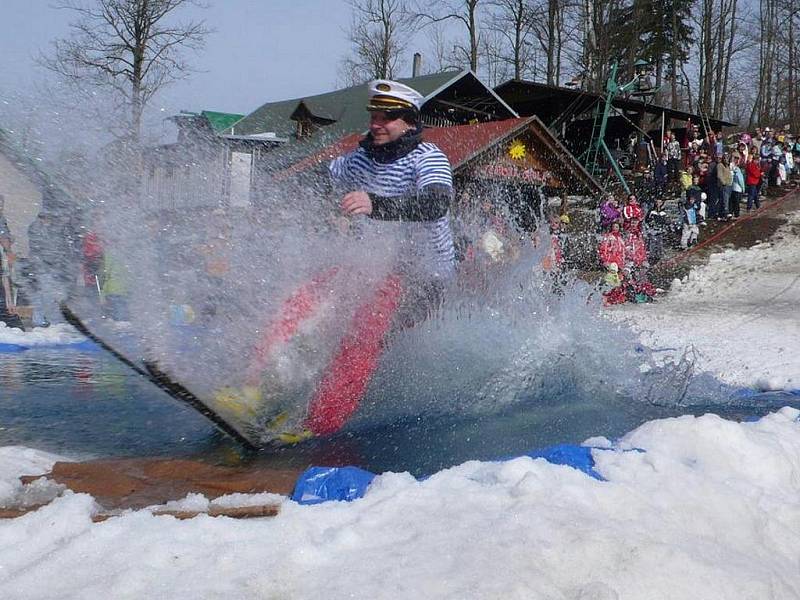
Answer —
343 381
346 378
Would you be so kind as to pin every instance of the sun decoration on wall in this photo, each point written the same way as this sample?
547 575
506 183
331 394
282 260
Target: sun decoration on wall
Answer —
517 150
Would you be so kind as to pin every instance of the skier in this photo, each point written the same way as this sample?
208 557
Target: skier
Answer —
407 184
394 176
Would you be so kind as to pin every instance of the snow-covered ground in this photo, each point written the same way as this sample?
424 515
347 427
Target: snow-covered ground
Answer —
741 312
691 507
710 510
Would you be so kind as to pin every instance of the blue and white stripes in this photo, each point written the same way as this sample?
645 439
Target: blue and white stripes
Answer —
431 242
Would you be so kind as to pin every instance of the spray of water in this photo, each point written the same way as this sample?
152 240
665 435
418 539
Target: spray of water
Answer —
202 285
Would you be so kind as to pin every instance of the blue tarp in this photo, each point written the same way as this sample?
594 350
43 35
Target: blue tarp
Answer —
577 457
323 484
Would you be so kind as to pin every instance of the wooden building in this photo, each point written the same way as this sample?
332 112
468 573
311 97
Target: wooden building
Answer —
517 161
207 166
569 113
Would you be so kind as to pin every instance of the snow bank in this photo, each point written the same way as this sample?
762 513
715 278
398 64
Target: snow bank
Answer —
740 312
59 334
710 509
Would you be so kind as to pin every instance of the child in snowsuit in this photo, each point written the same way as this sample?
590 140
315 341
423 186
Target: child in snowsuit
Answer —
612 286
691 219
612 247
609 213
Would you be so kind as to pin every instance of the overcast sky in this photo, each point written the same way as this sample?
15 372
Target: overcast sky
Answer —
262 50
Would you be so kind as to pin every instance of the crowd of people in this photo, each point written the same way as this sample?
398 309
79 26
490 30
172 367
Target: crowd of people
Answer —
702 179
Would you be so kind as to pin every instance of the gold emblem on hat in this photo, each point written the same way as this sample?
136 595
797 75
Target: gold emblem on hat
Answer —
383 87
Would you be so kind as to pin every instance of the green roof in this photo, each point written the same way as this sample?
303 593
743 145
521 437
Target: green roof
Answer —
221 121
347 107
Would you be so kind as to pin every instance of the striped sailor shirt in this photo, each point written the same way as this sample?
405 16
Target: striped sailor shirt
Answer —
415 190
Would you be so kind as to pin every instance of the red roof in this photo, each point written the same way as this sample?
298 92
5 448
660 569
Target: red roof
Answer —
462 142
459 142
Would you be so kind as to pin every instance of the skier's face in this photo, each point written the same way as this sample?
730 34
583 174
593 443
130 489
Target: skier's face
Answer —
385 128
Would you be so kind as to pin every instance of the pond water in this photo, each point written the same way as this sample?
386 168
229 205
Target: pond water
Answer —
87 404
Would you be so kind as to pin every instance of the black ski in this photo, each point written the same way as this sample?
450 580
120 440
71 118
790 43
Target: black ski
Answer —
152 372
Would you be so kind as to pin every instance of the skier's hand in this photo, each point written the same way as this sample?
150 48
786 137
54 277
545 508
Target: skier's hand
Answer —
357 203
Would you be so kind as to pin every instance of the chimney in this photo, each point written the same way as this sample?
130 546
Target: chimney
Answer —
416 69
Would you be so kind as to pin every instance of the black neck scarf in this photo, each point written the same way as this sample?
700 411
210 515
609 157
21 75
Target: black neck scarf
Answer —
391 151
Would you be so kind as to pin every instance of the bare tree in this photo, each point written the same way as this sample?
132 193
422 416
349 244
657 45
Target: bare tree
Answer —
717 25
379 34
548 22
130 48
512 21
462 11
602 45
496 63
442 49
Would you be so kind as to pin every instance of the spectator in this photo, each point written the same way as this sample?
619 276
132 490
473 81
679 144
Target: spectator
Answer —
8 303
776 177
632 213
612 247
693 144
609 212
712 190
737 187
613 289
694 190
635 247
719 148
686 179
92 264
673 157
691 218
115 288
765 152
661 175
788 158
753 176
710 144
638 288
744 152
758 139
725 181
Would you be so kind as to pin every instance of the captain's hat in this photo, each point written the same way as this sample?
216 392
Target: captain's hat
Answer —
387 95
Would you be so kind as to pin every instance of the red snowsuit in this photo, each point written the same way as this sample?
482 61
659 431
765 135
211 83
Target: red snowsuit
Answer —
631 213
635 248
612 249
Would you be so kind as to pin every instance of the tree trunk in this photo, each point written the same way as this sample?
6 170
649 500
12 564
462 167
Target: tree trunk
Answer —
473 36
728 57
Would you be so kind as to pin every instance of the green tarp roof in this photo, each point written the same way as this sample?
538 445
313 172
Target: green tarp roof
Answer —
346 107
221 121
